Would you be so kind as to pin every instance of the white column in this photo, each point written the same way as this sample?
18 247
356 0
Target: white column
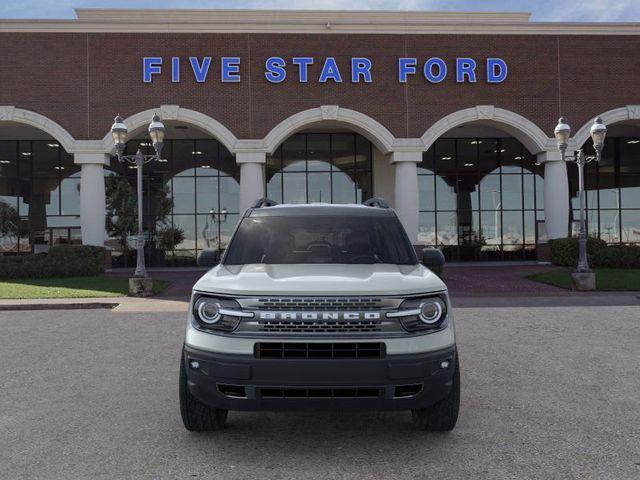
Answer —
251 177
92 197
406 190
556 194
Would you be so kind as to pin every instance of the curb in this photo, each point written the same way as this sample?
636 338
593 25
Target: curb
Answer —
57 306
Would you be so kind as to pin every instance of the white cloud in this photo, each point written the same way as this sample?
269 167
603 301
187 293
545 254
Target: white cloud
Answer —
543 10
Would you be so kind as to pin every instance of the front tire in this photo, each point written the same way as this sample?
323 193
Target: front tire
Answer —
443 415
198 416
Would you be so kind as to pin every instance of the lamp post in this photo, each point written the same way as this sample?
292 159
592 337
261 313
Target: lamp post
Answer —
562 133
119 133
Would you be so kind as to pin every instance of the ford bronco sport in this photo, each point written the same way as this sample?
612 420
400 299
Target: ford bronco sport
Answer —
319 307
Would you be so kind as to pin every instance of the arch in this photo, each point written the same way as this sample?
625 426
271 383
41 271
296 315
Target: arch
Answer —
373 130
629 112
527 132
177 113
9 113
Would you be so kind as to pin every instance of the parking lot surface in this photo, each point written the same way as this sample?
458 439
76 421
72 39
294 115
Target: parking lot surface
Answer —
549 392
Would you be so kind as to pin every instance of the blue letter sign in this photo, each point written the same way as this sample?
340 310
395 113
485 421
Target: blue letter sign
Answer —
496 70
200 71
151 66
275 69
434 69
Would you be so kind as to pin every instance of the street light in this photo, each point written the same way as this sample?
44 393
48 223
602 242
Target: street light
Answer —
598 133
119 133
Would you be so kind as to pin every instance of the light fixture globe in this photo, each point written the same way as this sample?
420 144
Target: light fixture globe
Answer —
156 132
119 133
562 133
598 133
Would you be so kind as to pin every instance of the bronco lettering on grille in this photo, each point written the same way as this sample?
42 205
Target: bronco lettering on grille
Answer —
319 315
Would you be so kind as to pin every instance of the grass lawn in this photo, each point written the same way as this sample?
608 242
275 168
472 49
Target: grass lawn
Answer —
71 287
607 279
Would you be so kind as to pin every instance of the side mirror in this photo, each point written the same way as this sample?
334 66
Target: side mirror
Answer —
209 258
433 259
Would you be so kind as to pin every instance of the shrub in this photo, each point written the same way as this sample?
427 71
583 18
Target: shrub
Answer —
61 261
618 256
564 251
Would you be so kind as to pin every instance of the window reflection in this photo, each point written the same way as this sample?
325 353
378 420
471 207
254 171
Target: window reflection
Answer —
321 167
612 191
477 201
201 180
39 196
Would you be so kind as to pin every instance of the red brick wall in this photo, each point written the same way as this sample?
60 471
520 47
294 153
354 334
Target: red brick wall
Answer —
82 80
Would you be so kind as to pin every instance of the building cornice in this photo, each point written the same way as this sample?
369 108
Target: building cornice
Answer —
314 22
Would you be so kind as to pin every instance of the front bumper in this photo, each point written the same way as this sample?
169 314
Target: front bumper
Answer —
243 382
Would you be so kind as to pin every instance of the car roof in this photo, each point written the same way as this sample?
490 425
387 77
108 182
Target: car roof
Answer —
289 209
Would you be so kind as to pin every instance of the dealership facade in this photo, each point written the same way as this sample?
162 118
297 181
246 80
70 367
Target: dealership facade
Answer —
448 116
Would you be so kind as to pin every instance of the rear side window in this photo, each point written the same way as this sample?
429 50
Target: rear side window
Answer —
298 239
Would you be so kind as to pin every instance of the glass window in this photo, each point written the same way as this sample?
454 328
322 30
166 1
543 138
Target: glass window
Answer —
294 239
467 154
8 159
183 190
294 187
319 153
294 153
207 195
445 156
512 192
610 225
630 226
319 187
445 194
427 228
426 166
184 152
344 188
426 188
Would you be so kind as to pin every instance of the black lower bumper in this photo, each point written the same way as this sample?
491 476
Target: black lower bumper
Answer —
243 382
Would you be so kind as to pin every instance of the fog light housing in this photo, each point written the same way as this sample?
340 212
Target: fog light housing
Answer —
194 364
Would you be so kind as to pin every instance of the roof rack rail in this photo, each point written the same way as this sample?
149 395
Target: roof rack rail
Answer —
377 202
263 202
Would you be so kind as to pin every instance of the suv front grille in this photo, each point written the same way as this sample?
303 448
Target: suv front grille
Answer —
319 303
319 350
320 326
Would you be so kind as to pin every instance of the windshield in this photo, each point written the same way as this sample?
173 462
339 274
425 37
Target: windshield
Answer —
320 239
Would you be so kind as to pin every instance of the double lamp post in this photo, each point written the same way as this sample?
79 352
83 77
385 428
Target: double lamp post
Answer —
583 278
140 284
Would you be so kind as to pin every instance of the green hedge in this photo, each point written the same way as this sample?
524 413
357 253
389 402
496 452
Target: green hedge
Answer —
618 256
61 261
564 252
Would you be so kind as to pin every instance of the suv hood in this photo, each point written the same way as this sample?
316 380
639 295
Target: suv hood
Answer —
319 279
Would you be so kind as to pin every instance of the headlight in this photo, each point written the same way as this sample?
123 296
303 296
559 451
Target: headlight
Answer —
427 313
208 310
217 313
431 311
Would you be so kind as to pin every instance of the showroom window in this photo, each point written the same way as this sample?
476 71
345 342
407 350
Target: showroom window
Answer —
612 192
39 196
194 190
480 199
321 167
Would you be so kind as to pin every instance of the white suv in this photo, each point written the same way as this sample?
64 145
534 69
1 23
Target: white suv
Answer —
319 307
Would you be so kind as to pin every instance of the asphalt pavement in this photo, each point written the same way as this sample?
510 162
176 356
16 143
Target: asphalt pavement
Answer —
547 392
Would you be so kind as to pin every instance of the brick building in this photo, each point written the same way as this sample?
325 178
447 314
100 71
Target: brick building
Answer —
449 116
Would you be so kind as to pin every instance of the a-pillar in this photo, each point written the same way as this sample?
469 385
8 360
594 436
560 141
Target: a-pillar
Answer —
556 194
406 200
251 177
92 197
